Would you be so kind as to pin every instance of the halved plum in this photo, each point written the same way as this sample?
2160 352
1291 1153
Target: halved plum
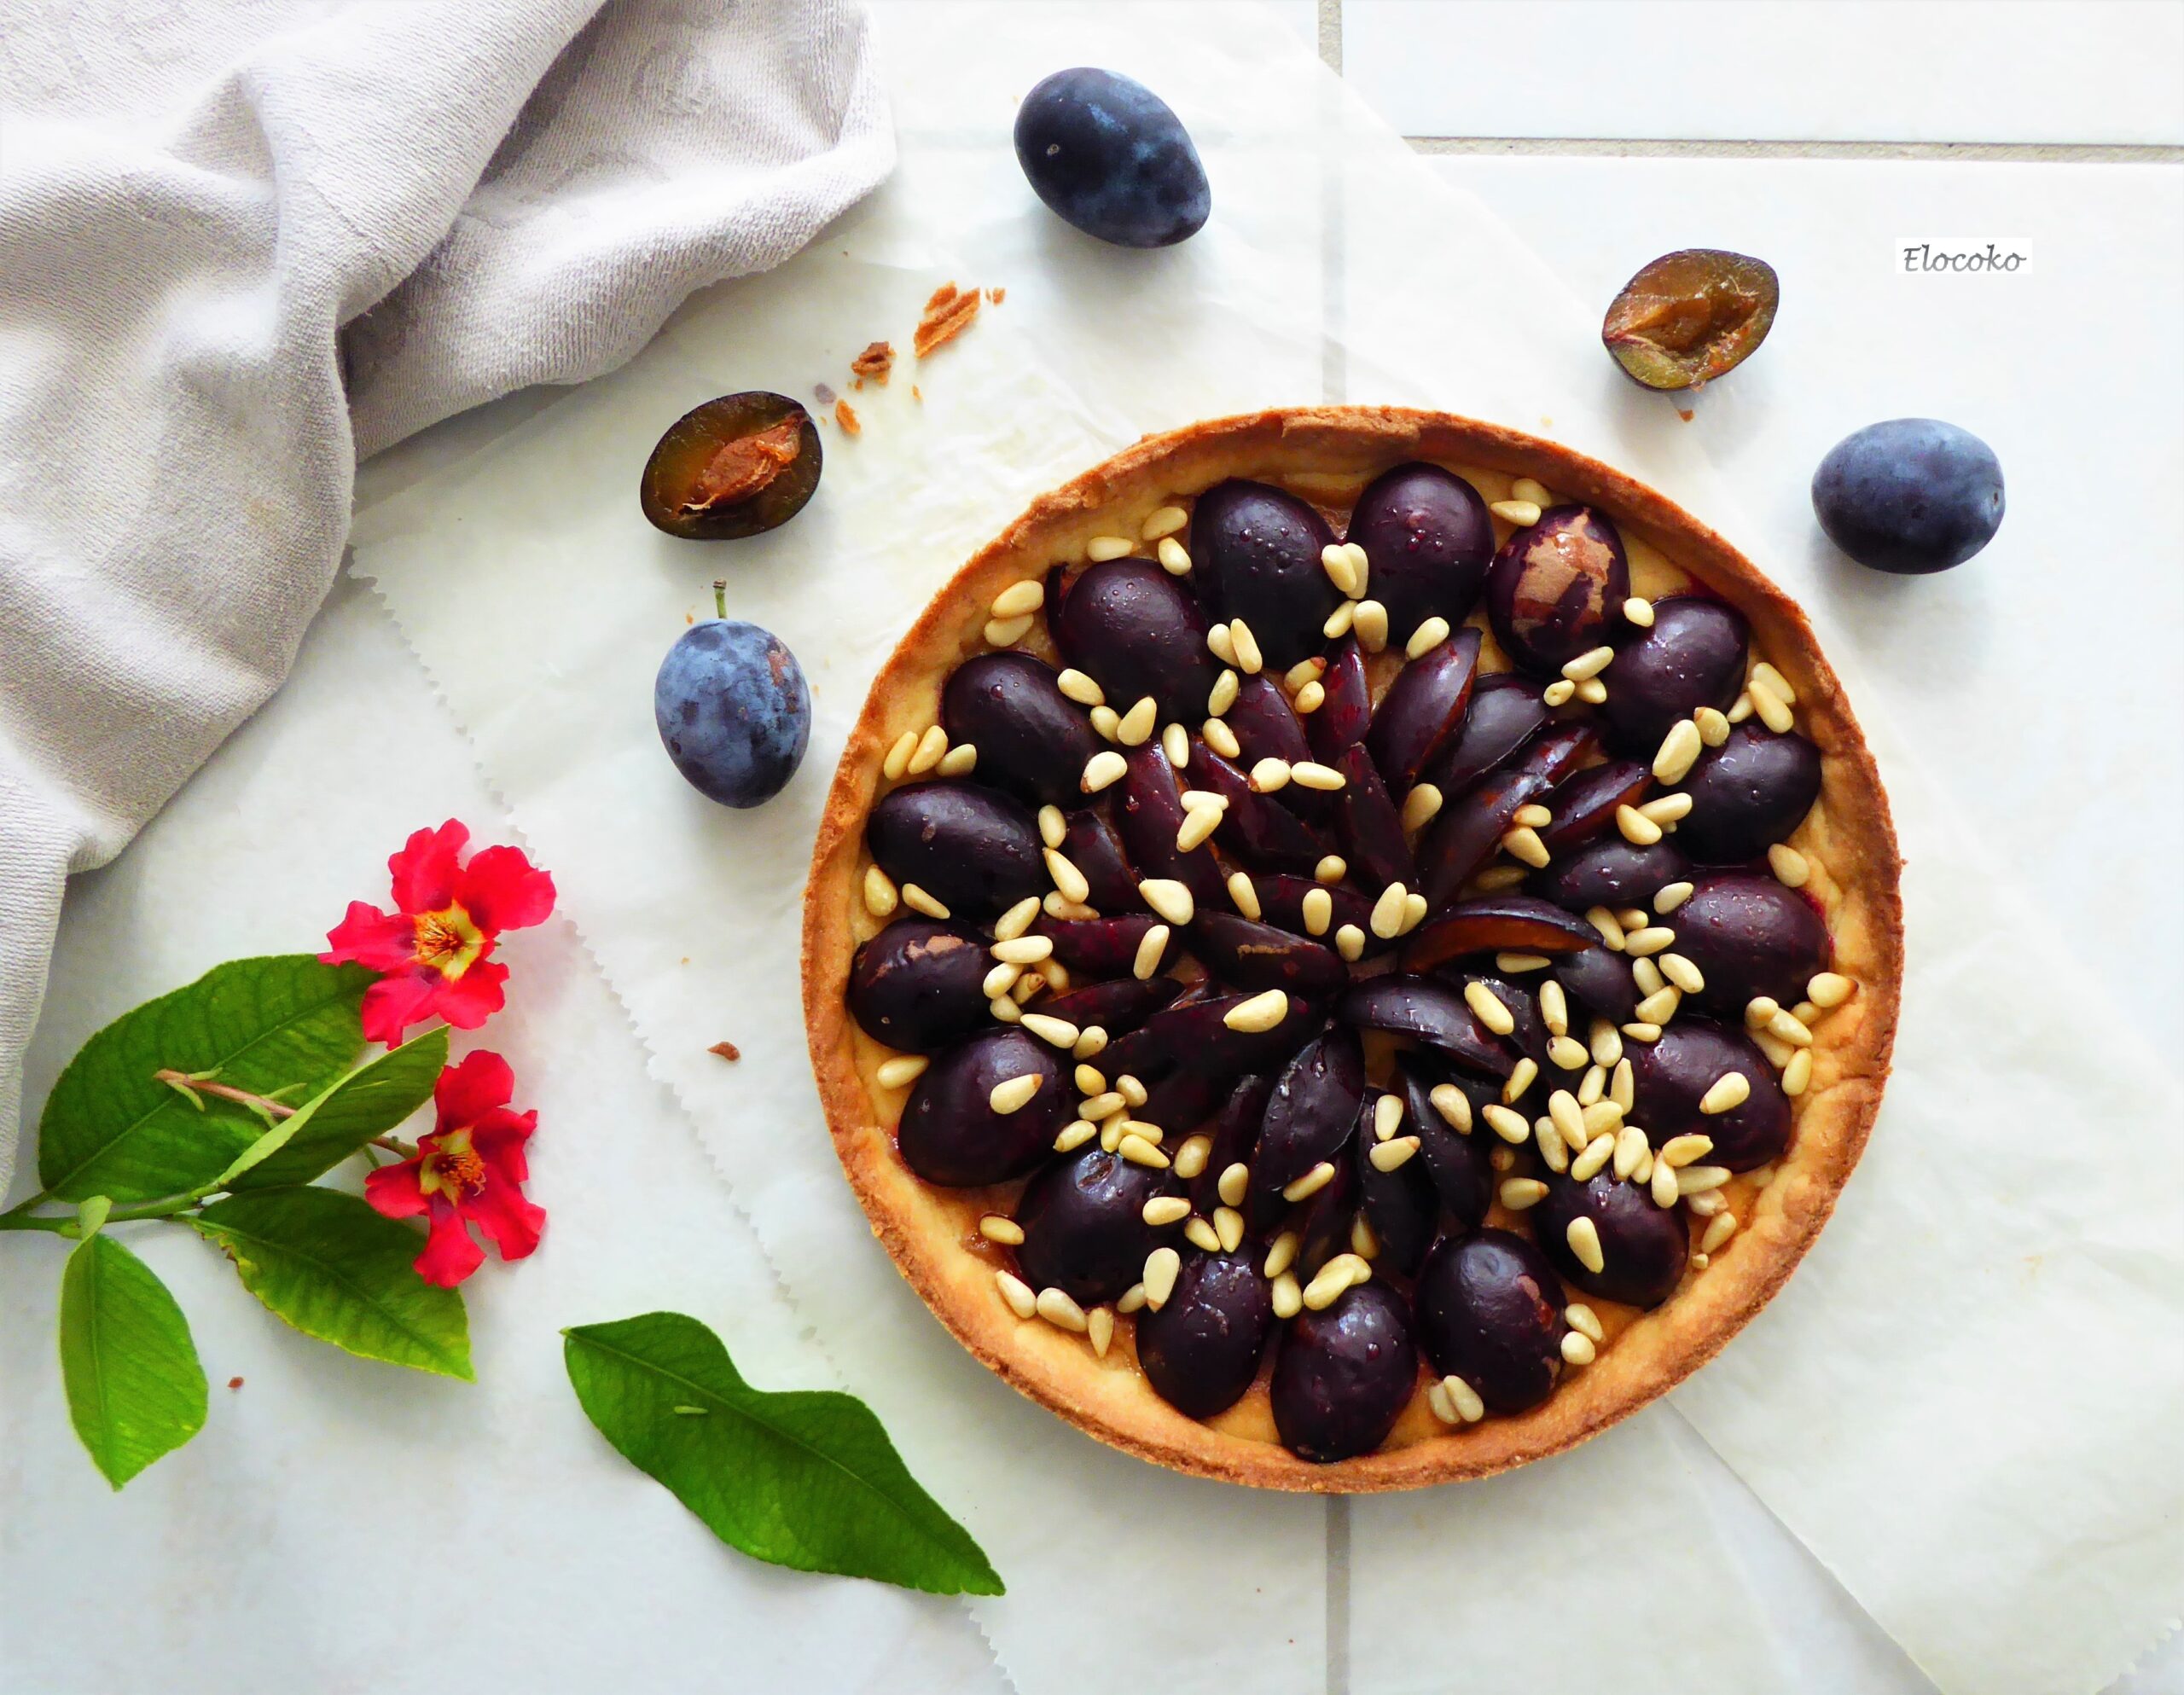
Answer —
1235 1139
1188 1057
1083 1222
1033 740
1505 713
1282 903
1325 1227
918 985
1257 828
1092 843
1103 948
1749 936
1748 794
1116 1007
1345 716
1556 588
974 850
1692 655
1601 982
949 1134
1369 825
1610 872
1257 558
1132 628
1690 317
1490 1311
1643 1247
1460 1165
1147 816
1428 541
1584 803
1670 1077
1200 1351
1400 1205
1432 1012
1345 1374
1491 924
1469 830
1253 956
1423 709
1312 1112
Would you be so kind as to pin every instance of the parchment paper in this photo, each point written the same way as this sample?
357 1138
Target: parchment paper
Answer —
1960 1402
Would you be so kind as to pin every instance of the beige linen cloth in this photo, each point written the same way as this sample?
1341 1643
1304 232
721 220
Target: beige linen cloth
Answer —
246 243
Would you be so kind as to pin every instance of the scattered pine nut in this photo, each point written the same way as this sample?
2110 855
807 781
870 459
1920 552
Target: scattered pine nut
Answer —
1173 557
1683 973
1593 1085
1339 620
1788 866
1198 828
1218 644
1774 711
1069 881
1318 905
996 1229
1335 559
1233 1184
1522 1075
1136 727
1653 939
1005 632
1139 1151
1796 1075
1331 870
1019 598
1643 1030
1830 989
1102 769
1161 1266
1013 1095
1662 1184
1350 943
1497 878
1221 739
1566 1053
1526 845
1150 946
1509 1126
1659 1006
1387 1116
1310 698
1425 638
1584 1239
1454 1105
1342 1272
1774 683
1668 809
1713 725
1200 1234
1080 688
1723 1227
1739 709
1287 1299
1590 663
1246 648
1639 611
918 901
1629 1148
1222 695
1578 1347
1725 1094
1525 489
898 756
1281 1254
1011 926
1306 774
1056 1306
1021 950
1607 1043
902 1070
1004 1009
1693 1180
1228 1228
1486 1007
1637 828
1133 1299
1523 514
1090 1040
1101 549
1261 1012
1622 1086
1303 672
1559 692
1678 752
1055 1032
1387 912
1520 1194
959 761
1420 806
1100 1327
881 896
1390 1156
1671 896
1592 691
1608 925
1191 1157
1246 897
1016 1293
1370 623
1268 775
1304 1187
1074 1134
1516 964
1163 521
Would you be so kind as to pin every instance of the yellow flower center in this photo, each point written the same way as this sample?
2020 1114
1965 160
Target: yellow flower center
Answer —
454 1168
447 942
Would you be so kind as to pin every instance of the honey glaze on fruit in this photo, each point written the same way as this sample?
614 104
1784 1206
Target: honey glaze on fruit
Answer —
1380 1014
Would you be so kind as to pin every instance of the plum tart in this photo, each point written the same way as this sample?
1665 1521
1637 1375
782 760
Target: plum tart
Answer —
1351 947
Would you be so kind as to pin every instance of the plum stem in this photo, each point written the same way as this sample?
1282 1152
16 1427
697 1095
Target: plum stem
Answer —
720 595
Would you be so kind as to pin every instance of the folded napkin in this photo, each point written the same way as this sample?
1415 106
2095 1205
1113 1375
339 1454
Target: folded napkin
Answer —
241 247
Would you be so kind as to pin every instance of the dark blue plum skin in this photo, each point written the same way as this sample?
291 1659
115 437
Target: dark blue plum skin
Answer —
1909 496
1108 156
1345 1374
733 710
1258 549
1201 1350
1428 539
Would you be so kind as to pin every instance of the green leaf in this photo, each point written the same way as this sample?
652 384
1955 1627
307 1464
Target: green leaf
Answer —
804 1478
369 1102
335 1269
135 1390
261 1023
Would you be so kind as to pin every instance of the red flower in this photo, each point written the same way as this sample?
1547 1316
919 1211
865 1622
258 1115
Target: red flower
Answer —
436 952
470 1170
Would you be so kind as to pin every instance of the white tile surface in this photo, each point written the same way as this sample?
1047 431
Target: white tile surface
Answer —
1759 70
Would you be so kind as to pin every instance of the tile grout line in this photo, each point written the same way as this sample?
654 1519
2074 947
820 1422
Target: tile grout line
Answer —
1334 389
2040 152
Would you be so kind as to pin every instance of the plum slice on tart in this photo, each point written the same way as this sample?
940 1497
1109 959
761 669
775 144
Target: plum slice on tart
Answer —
1348 1014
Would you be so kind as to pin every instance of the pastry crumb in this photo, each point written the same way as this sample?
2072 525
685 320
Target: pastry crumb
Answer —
995 296
846 417
727 1050
948 314
235 1383
875 361
917 394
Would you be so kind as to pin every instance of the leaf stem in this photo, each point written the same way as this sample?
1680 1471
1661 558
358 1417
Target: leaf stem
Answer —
257 1103
720 595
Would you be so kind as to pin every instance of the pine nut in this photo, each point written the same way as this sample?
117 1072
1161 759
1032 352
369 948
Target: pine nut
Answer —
1659 1006
1592 1085
1003 632
1598 1152
1246 898
1335 559
1150 946
898 756
1592 691
1198 827
1567 1117
1218 644
1727 1092
1342 1272
1318 908
1713 726
1056 1032
1637 828
1370 624
1019 598
1191 1157
1163 521
1669 808
1102 769
1522 1075
1465 1399
1629 1149
1607 1043
1170 898
918 901
1516 964
1387 912
1080 688
1584 1241
1246 647
1310 698
1281 1254
1590 663
1578 1347
1286 1298
1420 806
1526 845
1774 711
1139 1151
1306 774
1509 1126
1261 1012
1551 1146
1723 1225
1390 1156
1101 549
1173 557
1233 1184
1454 1105
902 1070
1554 1013
880 897
1788 866
959 761
1639 1029
1786 1027
1200 1234
1161 1266
1016 1293
1796 1075
1566 1053
1622 1086
1830 989
1486 1007
1652 940
1739 709
1497 878
1639 611
1269 776
1610 928
1228 1228
1683 973
1693 1180
1350 943
1304 1187
1425 638
1331 870
1523 514
1519 1194
1339 620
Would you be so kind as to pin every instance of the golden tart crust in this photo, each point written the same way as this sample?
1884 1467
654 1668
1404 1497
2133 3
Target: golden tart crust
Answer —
1326 455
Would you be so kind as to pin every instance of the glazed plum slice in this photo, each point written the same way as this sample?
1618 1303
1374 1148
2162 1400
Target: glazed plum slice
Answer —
1670 1077
1201 1350
1369 825
1235 1139
1692 656
1103 948
1528 1032
1311 1113
1491 924
1584 803
1253 956
1257 828
1282 903
1456 1163
1188 1057
1258 554
1345 1374
1345 716
1400 1205
1118 1007
974 850
950 1135
1490 1311
1083 1222
1423 708
1610 872
1643 1247
1091 843
1324 1230
1469 831
1430 1011
1556 588
1033 740
1149 815
1749 936
1428 541
1600 983
1505 713
1129 626
918 985
1748 794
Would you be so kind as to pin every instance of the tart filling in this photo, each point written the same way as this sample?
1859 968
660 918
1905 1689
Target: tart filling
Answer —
1347 949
